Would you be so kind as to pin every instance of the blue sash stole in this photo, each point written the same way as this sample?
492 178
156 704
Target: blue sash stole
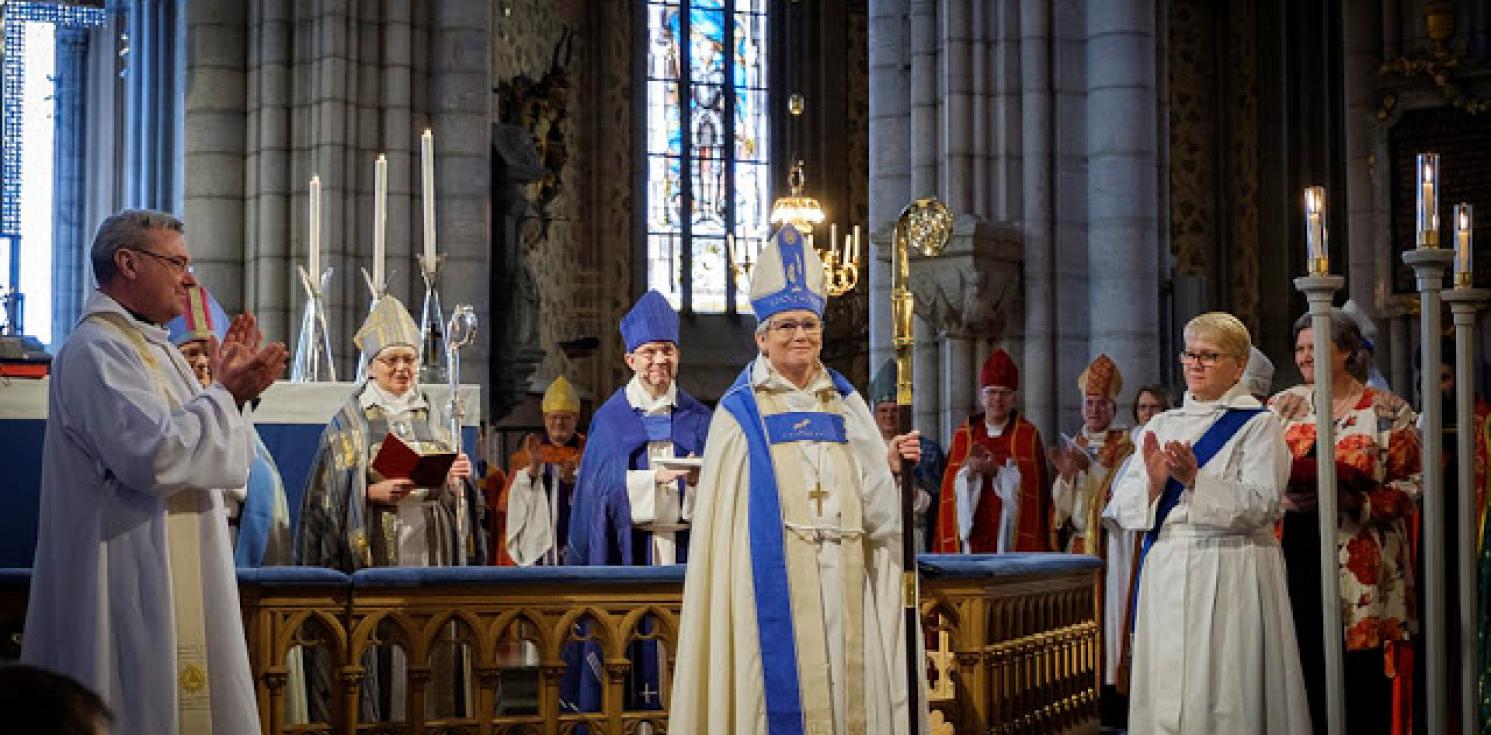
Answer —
1217 435
778 641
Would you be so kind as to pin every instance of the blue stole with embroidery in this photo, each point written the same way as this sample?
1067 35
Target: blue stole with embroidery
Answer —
1216 437
778 642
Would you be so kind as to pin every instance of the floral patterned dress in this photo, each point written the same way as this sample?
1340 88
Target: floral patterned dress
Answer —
1378 458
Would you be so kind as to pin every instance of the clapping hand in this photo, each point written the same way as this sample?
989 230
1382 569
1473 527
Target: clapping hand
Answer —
1181 461
1068 461
1174 459
242 363
532 445
980 462
1154 465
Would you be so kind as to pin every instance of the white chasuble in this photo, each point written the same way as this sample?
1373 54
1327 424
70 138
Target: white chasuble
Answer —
136 456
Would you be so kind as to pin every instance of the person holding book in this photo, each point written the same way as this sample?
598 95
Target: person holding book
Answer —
354 516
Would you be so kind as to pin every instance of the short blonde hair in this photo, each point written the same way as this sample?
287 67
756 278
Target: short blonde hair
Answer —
1224 329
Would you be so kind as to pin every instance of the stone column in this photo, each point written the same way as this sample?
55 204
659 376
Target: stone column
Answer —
459 104
960 383
927 375
1361 42
397 139
1037 389
212 205
71 234
955 82
890 156
924 88
1122 203
267 253
1004 122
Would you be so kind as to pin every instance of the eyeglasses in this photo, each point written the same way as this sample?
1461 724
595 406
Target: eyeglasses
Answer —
394 361
1204 358
654 353
177 264
808 326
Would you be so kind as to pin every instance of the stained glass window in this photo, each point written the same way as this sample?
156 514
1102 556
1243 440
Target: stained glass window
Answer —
707 165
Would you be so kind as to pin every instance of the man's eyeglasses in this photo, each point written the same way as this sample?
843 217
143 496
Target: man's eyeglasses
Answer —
1204 358
789 327
177 264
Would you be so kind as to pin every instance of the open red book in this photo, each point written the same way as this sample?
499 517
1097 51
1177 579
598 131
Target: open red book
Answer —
426 464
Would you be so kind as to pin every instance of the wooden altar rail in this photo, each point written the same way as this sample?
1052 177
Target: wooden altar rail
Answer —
1013 645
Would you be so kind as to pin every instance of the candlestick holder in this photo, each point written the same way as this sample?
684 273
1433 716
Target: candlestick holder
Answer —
1465 303
1321 291
313 358
431 323
1429 265
840 267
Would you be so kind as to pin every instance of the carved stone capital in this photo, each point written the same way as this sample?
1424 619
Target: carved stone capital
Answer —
973 288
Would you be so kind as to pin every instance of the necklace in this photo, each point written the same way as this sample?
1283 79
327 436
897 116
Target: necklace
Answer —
1346 402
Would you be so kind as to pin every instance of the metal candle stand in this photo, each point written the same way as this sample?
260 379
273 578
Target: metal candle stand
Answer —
1320 290
313 357
431 323
1429 265
1465 304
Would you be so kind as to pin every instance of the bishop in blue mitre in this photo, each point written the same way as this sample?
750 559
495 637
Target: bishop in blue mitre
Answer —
630 506
792 606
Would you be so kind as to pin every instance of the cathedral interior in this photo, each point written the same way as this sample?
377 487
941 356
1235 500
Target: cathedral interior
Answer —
1113 168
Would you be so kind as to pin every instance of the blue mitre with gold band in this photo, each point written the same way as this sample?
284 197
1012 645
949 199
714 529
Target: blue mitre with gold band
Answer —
788 277
652 319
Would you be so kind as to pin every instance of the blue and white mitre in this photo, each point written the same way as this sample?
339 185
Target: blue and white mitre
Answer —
652 319
788 276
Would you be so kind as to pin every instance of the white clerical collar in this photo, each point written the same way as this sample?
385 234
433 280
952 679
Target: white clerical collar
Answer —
390 403
766 377
1236 397
101 303
639 398
995 432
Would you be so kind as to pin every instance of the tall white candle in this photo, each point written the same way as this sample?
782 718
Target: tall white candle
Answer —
833 243
1428 199
427 166
1464 270
855 256
314 238
380 217
1317 248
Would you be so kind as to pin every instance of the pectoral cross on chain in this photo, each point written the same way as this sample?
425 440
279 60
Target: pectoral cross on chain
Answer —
817 495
